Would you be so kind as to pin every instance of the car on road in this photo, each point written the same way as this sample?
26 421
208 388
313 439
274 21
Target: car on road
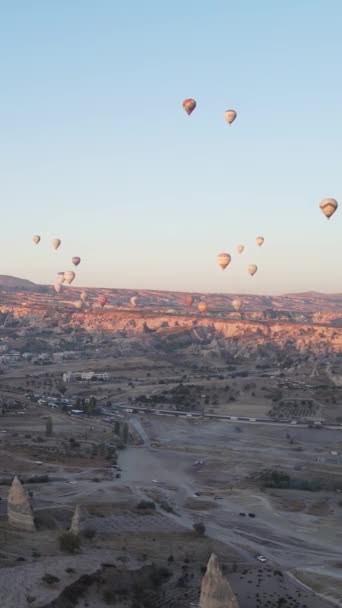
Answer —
197 494
242 514
217 497
251 514
261 558
155 481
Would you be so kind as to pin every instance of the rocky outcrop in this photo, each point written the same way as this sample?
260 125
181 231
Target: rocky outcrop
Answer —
78 520
19 507
216 592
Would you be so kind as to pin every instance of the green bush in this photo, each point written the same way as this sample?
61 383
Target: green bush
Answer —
69 542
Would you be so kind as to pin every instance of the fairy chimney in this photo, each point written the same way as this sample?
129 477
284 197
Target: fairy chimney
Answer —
19 507
216 592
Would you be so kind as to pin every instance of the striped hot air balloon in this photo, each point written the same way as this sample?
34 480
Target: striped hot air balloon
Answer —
223 260
328 206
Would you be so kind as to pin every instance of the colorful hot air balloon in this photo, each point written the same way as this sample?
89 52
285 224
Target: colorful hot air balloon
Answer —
58 287
230 116
202 307
133 300
223 259
189 105
36 239
240 248
259 240
236 304
78 304
75 260
102 300
83 296
188 300
55 243
69 276
252 268
60 277
328 206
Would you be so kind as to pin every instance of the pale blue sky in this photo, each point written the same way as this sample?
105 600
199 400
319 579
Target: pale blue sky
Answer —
96 149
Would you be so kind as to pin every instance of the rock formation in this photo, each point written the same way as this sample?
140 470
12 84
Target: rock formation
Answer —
19 507
216 592
77 520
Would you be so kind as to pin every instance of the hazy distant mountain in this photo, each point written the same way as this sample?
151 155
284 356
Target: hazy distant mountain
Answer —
9 283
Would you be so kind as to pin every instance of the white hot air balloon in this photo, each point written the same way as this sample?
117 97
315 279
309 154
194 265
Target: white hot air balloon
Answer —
328 206
236 304
133 300
240 248
55 243
259 240
230 116
69 276
36 239
252 268
223 260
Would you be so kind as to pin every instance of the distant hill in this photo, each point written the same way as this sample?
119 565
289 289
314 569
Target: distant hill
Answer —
9 283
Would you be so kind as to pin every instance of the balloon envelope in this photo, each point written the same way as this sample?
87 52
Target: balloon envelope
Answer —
69 276
102 300
60 277
36 239
236 304
223 259
75 260
55 243
259 240
58 287
230 116
202 306
189 105
133 300
328 206
83 296
252 268
240 248
188 300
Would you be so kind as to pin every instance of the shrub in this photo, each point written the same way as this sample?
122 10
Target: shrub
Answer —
145 505
69 542
50 579
89 533
199 528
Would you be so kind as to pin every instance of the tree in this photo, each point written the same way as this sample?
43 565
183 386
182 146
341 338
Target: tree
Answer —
49 427
69 542
199 528
125 433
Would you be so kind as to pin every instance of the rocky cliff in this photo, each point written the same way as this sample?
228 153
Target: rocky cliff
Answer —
19 508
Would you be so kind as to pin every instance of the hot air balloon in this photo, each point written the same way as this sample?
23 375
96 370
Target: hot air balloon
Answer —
75 260
36 239
55 243
188 300
223 259
236 304
133 300
189 105
69 276
259 240
102 300
230 116
328 206
58 287
252 268
60 277
202 307
78 304
83 296
240 248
